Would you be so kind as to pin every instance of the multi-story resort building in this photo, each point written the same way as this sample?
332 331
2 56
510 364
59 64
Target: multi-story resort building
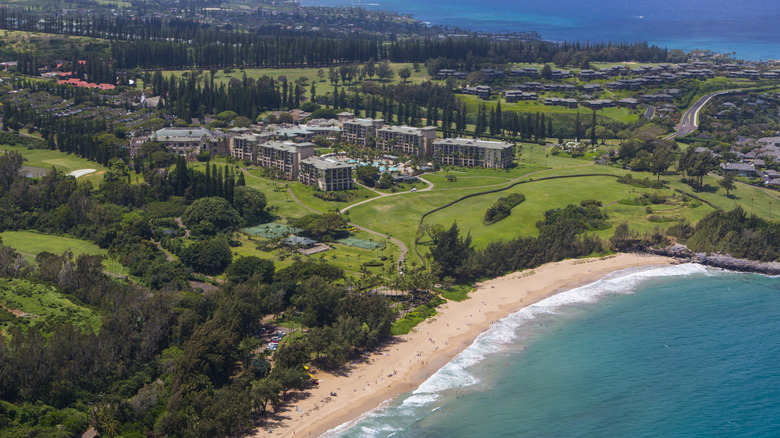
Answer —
284 156
244 147
357 131
326 174
191 140
468 152
406 139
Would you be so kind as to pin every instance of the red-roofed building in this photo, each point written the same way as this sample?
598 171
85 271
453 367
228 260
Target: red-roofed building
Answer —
76 82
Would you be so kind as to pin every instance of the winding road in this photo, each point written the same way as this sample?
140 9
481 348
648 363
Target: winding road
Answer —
689 122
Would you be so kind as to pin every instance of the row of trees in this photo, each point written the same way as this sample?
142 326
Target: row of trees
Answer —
561 236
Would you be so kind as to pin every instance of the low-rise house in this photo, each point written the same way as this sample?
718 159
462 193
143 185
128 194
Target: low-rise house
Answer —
512 96
740 169
628 102
326 174
555 101
598 104
560 74
526 72
481 91
474 153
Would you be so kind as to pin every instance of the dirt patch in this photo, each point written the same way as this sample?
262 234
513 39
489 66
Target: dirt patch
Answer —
17 313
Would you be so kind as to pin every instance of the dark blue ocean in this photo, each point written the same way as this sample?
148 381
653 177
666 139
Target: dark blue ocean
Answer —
676 351
748 27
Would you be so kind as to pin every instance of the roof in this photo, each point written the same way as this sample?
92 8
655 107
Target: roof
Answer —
287 146
298 240
404 129
738 166
79 83
473 142
325 164
185 132
364 122
293 132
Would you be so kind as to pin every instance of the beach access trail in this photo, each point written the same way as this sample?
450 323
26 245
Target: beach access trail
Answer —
404 362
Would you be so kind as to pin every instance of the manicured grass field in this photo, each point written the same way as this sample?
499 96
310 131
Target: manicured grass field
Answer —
276 194
44 306
30 244
751 199
293 74
34 243
63 162
620 114
548 194
347 257
439 180
306 193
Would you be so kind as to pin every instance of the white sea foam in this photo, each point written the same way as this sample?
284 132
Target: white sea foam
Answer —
456 374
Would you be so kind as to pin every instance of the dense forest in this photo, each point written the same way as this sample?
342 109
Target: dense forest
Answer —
164 358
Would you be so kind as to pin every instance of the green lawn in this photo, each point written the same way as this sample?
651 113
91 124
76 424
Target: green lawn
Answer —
276 194
751 199
400 214
63 162
45 307
439 180
619 114
31 243
306 193
347 257
292 74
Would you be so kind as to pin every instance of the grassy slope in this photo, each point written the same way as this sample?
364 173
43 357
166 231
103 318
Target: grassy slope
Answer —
49 306
620 114
31 243
61 161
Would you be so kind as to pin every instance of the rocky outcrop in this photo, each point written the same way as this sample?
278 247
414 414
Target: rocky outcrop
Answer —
723 261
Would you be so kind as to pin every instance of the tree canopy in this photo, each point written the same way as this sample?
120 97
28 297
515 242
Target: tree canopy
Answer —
214 210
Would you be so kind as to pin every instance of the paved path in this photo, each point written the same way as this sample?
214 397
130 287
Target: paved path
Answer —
400 244
689 122
385 195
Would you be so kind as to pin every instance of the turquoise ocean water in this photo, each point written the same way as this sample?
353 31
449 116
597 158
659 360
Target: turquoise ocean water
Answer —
747 27
674 351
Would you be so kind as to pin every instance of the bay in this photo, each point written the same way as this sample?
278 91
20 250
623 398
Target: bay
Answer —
676 351
748 28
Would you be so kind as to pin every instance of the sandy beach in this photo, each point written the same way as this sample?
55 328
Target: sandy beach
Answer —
408 360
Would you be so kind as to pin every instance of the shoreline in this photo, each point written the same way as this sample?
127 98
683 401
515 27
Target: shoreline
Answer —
406 361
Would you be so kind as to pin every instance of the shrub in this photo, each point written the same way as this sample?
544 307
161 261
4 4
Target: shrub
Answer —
588 202
502 208
646 182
